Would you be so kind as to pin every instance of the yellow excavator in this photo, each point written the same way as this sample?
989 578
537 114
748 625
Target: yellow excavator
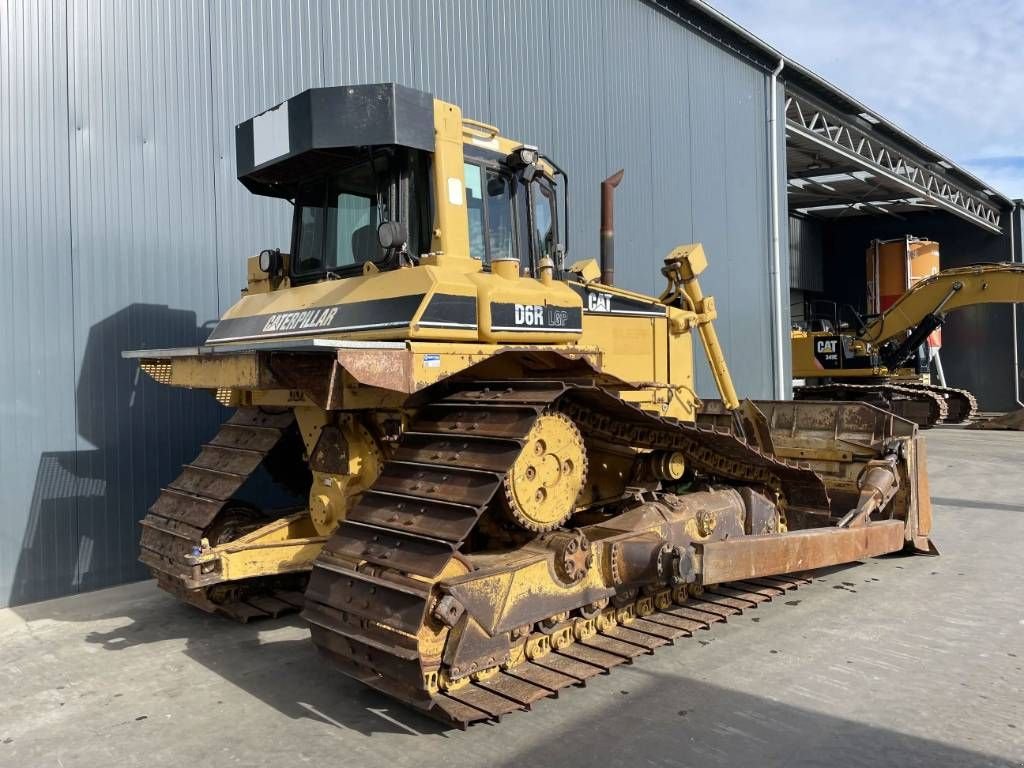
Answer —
876 358
505 485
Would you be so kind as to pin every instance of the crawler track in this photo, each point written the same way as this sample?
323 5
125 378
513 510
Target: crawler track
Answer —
961 404
373 588
916 403
198 504
589 649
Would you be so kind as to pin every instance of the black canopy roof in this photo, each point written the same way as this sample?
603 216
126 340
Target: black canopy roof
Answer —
297 139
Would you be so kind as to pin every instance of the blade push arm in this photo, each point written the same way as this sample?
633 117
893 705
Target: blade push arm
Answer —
924 304
681 268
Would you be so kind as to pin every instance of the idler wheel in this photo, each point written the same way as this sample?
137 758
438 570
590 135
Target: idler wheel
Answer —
542 486
668 466
233 522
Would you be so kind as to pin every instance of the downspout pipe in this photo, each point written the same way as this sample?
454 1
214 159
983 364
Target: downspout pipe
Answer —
1015 211
776 260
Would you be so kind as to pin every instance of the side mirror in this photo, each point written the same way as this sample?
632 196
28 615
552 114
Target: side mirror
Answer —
392 234
270 261
496 186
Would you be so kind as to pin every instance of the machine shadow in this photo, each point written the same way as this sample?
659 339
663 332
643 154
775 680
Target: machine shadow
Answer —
977 504
132 437
679 720
272 660
662 708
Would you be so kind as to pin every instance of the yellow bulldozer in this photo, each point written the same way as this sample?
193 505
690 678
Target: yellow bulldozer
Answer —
507 482
842 355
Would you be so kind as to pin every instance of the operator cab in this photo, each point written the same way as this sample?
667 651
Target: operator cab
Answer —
823 316
364 191
338 216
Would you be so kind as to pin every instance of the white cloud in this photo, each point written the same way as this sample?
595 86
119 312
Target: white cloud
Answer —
949 72
1004 174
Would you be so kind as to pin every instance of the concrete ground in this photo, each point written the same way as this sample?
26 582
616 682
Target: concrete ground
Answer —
900 661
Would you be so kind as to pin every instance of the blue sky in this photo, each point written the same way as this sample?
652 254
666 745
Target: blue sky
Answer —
950 72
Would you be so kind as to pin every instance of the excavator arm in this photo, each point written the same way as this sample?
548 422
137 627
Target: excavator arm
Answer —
922 309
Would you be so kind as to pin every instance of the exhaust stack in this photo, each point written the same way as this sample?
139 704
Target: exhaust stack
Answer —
608 227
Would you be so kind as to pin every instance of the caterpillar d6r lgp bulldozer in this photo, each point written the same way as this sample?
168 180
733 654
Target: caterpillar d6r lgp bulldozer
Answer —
878 358
510 488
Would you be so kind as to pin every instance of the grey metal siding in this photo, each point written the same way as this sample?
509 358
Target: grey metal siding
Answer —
123 226
261 53
37 375
806 254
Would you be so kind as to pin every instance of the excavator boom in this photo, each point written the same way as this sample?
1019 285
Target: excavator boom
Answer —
946 291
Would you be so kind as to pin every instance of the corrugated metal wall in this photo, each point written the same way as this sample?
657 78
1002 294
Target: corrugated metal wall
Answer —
806 264
806 254
122 225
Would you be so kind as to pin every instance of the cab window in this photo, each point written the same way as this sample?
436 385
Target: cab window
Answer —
338 225
500 244
354 229
545 232
490 210
475 211
337 213
310 240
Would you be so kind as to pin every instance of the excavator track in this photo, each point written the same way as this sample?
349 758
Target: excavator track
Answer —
199 505
918 404
961 404
372 602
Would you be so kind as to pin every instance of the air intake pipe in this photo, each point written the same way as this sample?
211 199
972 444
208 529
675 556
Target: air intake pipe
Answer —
608 227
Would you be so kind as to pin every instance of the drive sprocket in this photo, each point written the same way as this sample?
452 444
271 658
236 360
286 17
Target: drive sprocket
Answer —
542 487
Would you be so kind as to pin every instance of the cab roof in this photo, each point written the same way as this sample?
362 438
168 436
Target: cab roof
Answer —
287 144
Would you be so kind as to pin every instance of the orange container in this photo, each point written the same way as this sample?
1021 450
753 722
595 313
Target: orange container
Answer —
894 267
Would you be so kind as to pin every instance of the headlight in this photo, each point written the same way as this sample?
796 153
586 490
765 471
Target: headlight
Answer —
270 261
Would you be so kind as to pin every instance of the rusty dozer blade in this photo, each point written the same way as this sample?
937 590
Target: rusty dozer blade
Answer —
839 441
